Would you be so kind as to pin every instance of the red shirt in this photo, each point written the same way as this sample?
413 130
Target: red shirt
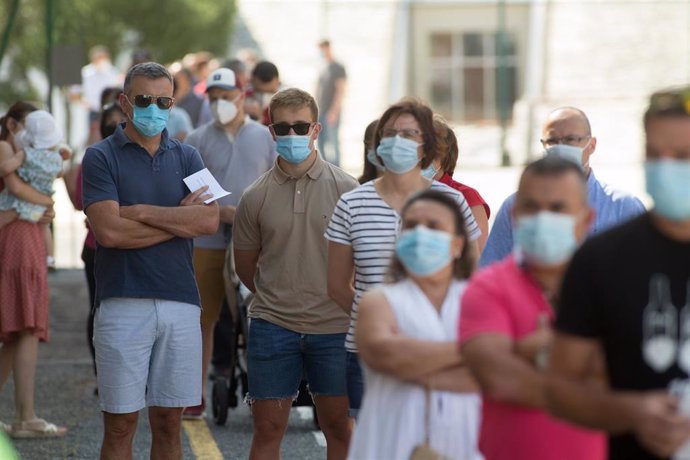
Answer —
504 299
471 195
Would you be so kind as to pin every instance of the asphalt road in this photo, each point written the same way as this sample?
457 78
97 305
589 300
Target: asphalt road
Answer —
65 395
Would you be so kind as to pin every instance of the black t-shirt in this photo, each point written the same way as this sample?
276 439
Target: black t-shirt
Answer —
628 287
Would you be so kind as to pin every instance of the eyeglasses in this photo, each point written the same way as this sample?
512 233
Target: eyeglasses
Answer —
145 100
283 129
568 140
404 133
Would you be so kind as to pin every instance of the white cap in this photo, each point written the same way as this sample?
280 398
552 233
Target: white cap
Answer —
41 130
221 78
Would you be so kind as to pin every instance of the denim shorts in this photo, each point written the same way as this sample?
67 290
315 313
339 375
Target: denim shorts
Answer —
355 383
148 353
278 359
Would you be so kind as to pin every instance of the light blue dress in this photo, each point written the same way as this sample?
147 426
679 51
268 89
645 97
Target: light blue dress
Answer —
40 169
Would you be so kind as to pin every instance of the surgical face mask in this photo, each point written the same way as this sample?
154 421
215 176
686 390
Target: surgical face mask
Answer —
223 111
429 172
373 159
423 251
399 155
149 121
293 149
668 183
546 238
20 140
568 152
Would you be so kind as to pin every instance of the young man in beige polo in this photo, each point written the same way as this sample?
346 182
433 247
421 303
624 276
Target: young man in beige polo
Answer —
281 255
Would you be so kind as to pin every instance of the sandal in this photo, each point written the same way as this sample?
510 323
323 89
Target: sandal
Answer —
36 428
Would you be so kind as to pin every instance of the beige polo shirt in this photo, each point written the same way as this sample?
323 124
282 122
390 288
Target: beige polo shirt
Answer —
285 218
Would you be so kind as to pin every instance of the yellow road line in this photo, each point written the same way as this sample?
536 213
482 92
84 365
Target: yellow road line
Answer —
201 440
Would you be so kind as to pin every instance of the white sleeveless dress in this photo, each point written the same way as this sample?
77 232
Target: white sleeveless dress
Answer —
391 420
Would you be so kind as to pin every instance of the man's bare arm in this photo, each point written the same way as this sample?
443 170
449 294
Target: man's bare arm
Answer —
503 375
114 231
245 266
653 415
190 219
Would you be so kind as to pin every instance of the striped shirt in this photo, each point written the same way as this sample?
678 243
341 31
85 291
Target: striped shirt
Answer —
363 220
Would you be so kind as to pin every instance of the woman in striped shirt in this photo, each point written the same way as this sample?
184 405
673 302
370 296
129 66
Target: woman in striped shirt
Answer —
366 221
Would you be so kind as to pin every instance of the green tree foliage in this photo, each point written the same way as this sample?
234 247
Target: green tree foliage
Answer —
167 28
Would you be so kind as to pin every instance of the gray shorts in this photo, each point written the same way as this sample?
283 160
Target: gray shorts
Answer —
148 353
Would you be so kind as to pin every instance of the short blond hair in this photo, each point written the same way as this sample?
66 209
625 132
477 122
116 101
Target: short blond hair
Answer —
295 99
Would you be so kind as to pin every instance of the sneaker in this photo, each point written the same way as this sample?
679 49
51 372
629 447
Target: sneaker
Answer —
50 261
195 412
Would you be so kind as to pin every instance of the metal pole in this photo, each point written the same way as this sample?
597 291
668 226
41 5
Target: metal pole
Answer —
50 23
502 80
14 9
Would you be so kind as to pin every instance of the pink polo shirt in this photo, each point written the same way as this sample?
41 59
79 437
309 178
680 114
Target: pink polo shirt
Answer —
504 299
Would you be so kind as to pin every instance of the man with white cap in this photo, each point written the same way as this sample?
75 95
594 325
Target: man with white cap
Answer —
236 150
566 133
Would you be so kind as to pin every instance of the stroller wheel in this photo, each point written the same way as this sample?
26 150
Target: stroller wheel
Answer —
220 400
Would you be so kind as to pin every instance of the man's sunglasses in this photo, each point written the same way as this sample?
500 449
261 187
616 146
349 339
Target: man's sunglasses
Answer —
283 129
145 100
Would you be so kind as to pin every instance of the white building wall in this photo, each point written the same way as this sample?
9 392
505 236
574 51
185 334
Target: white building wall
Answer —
360 32
607 58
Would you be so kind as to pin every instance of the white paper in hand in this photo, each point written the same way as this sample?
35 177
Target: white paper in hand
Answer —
204 177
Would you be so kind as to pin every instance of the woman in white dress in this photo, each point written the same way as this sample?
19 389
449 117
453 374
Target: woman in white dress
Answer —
407 335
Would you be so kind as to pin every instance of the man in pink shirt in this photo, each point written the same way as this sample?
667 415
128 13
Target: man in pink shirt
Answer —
506 314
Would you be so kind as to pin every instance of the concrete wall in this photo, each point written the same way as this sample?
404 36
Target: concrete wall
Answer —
361 37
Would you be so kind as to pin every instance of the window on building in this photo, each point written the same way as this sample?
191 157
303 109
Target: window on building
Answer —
465 75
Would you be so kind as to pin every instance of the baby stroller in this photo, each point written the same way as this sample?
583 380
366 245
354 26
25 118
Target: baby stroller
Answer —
231 333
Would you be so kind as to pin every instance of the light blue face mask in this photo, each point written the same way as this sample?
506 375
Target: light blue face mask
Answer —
668 183
546 238
429 172
293 149
399 155
149 121
423 251
567 152
373 159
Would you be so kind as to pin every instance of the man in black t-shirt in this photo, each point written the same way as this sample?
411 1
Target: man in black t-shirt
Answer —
627 294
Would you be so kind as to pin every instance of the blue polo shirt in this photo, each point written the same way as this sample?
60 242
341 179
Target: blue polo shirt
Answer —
120 170
611 206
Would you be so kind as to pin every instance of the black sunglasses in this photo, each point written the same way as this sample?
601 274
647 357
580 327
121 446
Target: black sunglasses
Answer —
283 129
145 100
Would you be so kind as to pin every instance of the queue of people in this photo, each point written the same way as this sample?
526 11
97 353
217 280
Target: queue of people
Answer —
568 343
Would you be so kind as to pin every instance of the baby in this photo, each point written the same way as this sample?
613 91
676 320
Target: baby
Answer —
40 142
42 163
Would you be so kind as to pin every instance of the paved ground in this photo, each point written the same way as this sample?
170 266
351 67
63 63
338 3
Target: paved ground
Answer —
64 395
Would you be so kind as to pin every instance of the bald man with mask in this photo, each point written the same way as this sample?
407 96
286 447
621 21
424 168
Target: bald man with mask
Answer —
568 134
